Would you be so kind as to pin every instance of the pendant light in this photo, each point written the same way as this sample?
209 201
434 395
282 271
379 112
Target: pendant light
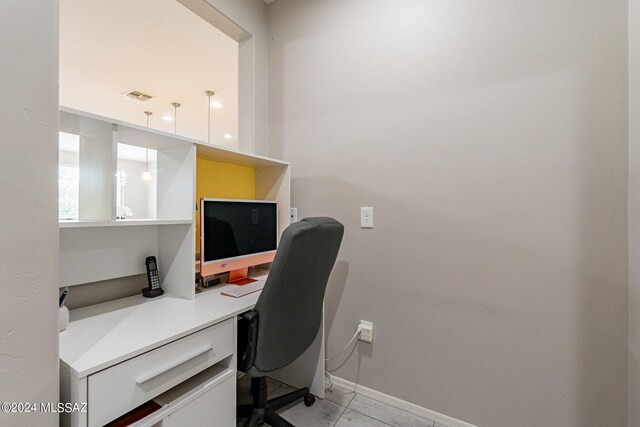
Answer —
146 175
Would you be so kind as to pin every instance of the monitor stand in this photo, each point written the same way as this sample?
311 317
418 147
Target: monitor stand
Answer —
239 277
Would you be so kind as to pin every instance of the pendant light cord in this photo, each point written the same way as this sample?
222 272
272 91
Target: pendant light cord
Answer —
175 106
209 94
146 162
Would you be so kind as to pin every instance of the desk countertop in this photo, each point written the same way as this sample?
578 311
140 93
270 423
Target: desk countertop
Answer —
103 335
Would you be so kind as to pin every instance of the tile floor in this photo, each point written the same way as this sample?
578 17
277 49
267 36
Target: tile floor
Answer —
340 408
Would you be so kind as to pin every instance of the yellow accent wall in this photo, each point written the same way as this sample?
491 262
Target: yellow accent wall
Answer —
224 181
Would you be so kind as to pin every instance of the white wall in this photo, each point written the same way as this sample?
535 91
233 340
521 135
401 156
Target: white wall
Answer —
491 139
28 207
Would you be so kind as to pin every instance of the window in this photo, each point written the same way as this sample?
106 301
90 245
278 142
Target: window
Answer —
68 188
68 176
122 211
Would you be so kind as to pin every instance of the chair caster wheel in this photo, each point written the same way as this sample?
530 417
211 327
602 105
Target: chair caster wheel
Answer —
309 399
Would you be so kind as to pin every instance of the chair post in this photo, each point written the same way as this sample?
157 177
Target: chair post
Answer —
259 392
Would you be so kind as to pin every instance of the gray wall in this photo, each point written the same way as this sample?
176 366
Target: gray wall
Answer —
106 290
634 213
491 139
28 207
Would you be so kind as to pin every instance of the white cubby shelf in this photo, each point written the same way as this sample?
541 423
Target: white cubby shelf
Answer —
99 247
121 223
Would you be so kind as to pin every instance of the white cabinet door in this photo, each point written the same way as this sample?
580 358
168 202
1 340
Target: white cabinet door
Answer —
214 408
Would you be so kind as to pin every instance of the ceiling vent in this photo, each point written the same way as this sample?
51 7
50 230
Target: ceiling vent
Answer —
138 96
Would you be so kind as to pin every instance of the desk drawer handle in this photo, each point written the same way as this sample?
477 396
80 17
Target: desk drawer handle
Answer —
148 377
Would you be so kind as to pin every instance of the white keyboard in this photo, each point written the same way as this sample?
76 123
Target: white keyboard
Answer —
236 291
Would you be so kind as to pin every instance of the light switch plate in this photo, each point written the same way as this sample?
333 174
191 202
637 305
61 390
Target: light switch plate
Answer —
293 215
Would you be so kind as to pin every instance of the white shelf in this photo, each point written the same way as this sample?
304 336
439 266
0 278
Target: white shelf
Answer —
205 150
220 154
122 223
85 243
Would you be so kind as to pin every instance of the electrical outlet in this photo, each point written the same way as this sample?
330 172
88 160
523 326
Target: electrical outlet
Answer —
366 217
366 331
293 215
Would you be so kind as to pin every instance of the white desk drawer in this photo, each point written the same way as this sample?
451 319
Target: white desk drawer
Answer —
215 407
120 388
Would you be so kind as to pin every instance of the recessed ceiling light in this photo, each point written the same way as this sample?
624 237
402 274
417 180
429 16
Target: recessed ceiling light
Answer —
216 104
167 118
227 136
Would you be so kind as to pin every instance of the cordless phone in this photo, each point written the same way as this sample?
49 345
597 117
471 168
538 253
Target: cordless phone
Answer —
154 289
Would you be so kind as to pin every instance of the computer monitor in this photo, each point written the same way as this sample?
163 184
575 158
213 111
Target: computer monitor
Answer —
235 235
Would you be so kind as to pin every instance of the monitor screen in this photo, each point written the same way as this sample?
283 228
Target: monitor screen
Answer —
233 228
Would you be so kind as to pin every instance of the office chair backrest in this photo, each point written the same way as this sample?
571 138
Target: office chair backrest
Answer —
290 305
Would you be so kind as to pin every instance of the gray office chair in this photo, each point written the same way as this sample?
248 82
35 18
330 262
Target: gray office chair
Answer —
287 316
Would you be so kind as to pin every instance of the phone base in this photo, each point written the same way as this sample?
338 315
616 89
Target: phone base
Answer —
152 293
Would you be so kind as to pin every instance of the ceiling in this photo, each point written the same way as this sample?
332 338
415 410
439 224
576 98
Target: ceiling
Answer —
159 47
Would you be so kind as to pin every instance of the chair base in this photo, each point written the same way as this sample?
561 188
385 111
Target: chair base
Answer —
264 411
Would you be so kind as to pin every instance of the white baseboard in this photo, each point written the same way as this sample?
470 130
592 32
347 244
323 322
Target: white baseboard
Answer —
400 404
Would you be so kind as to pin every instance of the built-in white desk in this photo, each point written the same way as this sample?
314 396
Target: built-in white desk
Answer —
181 353
178 349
